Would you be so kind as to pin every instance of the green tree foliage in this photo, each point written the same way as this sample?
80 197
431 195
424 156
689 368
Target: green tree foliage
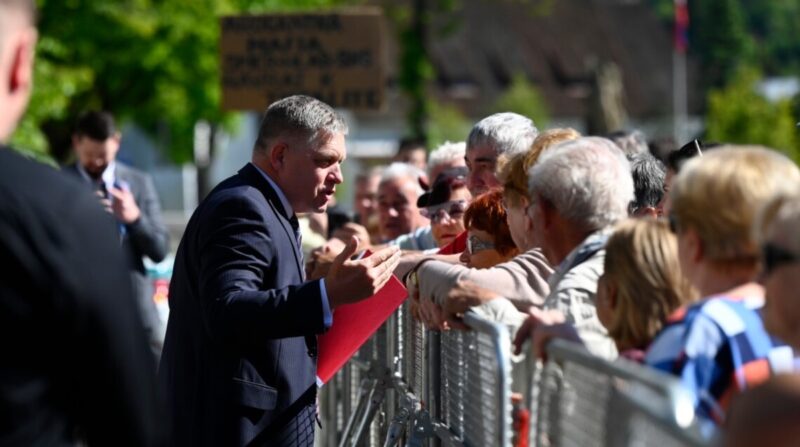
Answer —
725 33
151 62
524 98
737 113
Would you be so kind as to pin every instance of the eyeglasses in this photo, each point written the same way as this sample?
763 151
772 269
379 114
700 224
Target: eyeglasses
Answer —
773 257
448 210
475 245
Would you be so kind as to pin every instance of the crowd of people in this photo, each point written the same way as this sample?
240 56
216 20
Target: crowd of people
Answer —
689 266
686 267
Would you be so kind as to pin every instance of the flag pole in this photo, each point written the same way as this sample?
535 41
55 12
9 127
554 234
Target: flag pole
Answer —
679 93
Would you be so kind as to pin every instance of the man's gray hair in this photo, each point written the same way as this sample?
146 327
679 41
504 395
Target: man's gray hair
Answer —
648 181
300 117
446 153
506 133
404 170
587 180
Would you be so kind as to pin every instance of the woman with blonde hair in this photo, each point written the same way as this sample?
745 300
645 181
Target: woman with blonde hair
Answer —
718 346
641 286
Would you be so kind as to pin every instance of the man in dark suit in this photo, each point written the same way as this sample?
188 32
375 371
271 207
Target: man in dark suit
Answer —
129 195
74 364
239 358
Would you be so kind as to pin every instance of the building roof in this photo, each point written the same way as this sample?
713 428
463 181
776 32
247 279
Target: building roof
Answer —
555 43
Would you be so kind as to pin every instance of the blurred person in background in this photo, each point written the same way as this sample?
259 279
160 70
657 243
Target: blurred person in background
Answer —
578 191
76 368
632 143
778 232
129 195
718 346
641 286
412 151
400 221
648 186
445 157
444 205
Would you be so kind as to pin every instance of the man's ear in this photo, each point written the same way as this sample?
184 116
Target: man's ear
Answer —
22 55
277 154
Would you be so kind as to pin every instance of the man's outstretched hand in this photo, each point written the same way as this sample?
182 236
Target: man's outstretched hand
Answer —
352 281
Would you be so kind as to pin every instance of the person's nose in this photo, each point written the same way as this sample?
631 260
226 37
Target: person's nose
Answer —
464 257
393 212
337 174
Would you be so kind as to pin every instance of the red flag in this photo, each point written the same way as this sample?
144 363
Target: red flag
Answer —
681 36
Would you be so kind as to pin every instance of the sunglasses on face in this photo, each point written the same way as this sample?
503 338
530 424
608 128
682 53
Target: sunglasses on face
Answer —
773 257
452 210
475 245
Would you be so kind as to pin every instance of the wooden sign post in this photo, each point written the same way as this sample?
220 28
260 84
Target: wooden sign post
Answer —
336 57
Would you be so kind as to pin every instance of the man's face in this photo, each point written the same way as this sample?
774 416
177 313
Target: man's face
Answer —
417 157
481 162
310 172
397 207
366 196
94 155
782 307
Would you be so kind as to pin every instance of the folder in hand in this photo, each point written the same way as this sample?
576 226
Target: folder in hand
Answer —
353 325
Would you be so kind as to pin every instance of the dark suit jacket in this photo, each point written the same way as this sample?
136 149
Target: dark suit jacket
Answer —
148 236
239 363
74 355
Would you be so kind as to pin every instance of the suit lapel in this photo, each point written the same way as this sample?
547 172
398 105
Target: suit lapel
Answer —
254 178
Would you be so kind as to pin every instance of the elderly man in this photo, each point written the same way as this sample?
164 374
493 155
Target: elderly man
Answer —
399 219
494 136
578 191
76 369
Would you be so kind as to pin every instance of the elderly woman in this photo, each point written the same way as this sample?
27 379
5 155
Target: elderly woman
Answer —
489 239
718 346
445 205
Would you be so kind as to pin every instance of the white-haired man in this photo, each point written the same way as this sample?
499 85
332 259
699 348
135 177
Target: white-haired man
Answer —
447 156
578 190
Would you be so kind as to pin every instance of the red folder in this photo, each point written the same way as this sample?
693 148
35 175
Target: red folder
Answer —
353 324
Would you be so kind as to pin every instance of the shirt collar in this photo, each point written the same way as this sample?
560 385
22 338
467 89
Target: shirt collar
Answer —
284 201
108 176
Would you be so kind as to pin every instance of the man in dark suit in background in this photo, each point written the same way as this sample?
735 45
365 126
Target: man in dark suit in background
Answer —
75 364
239 359
129 195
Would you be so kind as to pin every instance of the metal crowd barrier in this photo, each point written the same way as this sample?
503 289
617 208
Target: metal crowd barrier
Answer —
413 387
583 400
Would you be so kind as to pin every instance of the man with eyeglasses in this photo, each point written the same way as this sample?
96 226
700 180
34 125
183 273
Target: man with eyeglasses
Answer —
780 267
